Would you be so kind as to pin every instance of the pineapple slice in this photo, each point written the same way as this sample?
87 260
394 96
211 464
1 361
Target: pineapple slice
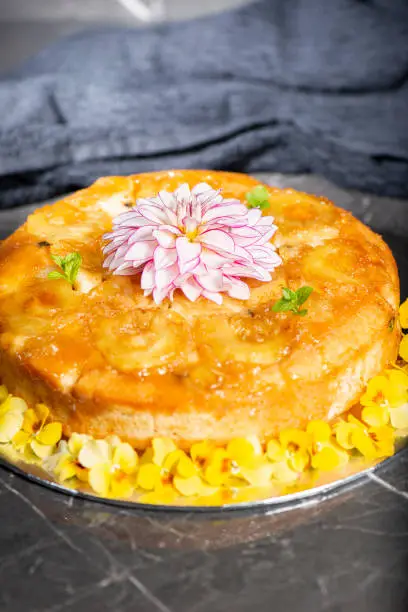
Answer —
141 340
333 263
253 341
65 222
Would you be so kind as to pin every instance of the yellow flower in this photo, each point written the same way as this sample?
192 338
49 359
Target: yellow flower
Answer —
403 315
399 416
295 443
283 474
158 464
259 476
185 467
324 454
165 496
112 469
371 442
193 485
149 476
389 389
161 464
218 467
37 435
161 448
66 462
375 416
201 451
245 452
403 350
289 455
11 416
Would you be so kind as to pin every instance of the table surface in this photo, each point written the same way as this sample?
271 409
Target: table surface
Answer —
347 552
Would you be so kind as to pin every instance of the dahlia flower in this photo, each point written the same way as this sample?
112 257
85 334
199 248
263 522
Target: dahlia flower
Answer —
192 240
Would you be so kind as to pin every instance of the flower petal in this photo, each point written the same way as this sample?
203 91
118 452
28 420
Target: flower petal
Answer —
165 238
147 280
212 281
164 258
191 289
187 253
125 457
50 434
165 277
218 240
95 452
225 210
213 297
99 479
236 288
156 214
10 424
41 450
140 252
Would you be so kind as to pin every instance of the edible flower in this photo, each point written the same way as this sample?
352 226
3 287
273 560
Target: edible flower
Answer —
12 411
112 467
217 469
403 315
371 441
66 462
403 349
288 455
325 455
36 434
245 452
387 390
193 240
295 443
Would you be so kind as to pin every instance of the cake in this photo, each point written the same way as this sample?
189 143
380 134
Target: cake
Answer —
107 358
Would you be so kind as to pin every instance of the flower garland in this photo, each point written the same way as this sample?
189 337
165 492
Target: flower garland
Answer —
209 473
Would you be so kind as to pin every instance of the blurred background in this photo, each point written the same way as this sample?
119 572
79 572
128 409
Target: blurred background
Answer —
28 25
301 87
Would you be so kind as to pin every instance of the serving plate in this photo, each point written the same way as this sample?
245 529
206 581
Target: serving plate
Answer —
307 490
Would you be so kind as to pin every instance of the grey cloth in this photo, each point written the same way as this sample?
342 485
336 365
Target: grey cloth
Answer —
294 86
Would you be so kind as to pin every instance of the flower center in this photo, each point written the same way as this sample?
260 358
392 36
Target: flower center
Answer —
380 399
192 235
190 228
292 448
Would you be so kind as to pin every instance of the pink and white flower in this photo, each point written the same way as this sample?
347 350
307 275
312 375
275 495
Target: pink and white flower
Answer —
192 240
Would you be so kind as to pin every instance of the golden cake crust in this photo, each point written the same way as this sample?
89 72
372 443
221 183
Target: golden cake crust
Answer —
107 360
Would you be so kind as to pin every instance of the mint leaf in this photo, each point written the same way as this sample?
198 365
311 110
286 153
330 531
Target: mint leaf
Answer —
301 313
55 274
283 305
291 300
57 259
69 265
258 197
288 294
302 294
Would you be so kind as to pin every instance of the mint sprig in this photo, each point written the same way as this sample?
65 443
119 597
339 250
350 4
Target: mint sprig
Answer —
291 301
258 197
69 265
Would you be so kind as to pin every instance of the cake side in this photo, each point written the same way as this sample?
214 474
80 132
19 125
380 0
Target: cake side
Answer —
106 359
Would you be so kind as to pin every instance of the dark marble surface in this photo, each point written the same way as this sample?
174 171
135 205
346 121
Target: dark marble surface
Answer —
347 552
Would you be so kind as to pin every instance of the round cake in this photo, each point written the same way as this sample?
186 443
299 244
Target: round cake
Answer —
106 358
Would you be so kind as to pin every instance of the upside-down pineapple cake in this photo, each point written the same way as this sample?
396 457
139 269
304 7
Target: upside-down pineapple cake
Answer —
160 332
